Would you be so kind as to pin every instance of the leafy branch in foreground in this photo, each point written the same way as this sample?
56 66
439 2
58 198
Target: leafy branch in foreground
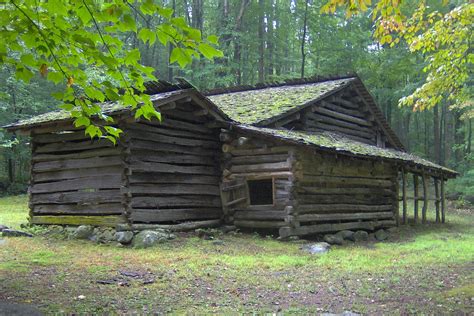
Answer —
445 39
66 41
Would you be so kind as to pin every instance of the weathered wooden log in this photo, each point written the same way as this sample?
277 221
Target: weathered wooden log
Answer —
262 175
259 151
75 173
136 144
425 198
261 215
404 196
185 116
341 180
166 215
347 103
259 224
60 137
437 200
323 228
317 208
106 152
85 209
174 189
331 125
188 226
443 202
185 126
344 216
110 220
344 110
225 137
70 146
275 166
415 192
77 163
101 182
171 168
162 178
314 127
159 138
173 158
342 116
344 199
175 201
169 131
244 160
344 191
103 196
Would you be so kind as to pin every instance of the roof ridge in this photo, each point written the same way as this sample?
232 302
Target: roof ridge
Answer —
273 84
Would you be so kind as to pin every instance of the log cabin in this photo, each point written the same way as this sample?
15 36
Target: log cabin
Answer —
302 157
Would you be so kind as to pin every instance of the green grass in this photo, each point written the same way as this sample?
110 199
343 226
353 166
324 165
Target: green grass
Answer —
13 210
424 269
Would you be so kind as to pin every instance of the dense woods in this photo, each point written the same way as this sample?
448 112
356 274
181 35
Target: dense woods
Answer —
266 41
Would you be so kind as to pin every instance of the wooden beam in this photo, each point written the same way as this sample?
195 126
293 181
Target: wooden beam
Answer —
437 202
443 202
404 196
425 198
110 221
415 192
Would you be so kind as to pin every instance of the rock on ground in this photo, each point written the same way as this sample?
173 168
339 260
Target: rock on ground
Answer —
346 234
381 235
15 233
317 248
333 239
360 235
124 237
2 227
149 238
83 232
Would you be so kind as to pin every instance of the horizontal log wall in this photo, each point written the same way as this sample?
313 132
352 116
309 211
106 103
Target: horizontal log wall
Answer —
174 168
252 158
332 190
75 180
342 113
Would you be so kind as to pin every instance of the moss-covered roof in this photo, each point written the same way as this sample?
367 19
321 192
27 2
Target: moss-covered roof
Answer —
344 145
256 105
108 108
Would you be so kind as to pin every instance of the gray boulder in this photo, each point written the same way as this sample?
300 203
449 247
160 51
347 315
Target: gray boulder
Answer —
15 233
124 237
317 248
83 232
333 239
346 234
360 235
150 238
2 227
381 235
103 235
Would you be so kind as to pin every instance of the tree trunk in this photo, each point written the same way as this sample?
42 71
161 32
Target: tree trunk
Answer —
436 134
261 38
237 41
303 38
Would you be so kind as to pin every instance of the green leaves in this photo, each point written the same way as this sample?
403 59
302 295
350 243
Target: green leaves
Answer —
82 46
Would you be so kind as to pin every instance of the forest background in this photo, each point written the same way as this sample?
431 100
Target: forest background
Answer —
268 41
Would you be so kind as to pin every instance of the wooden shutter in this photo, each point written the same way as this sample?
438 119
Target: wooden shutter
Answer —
234 195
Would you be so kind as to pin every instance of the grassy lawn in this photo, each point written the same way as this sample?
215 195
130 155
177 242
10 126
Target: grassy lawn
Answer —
425 269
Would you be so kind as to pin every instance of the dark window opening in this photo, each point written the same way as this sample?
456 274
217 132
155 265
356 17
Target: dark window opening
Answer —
261 192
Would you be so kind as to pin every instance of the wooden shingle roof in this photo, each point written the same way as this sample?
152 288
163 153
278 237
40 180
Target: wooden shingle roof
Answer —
340 144
255 105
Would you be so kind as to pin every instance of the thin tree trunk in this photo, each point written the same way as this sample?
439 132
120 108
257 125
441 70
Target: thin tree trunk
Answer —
261 47
469 138
303 39
436 134
237 41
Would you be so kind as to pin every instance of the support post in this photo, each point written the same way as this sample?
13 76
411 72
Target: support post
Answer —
404 196
443 201
425 198
437 197
415 198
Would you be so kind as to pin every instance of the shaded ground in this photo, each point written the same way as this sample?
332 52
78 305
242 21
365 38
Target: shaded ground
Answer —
426 269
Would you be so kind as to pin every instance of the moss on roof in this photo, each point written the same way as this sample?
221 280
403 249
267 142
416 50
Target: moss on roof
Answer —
108 108
254 106
339 143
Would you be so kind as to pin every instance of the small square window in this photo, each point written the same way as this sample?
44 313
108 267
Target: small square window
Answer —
261 192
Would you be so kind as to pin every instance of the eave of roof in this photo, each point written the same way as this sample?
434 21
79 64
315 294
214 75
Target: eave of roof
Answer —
114 108
340 144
